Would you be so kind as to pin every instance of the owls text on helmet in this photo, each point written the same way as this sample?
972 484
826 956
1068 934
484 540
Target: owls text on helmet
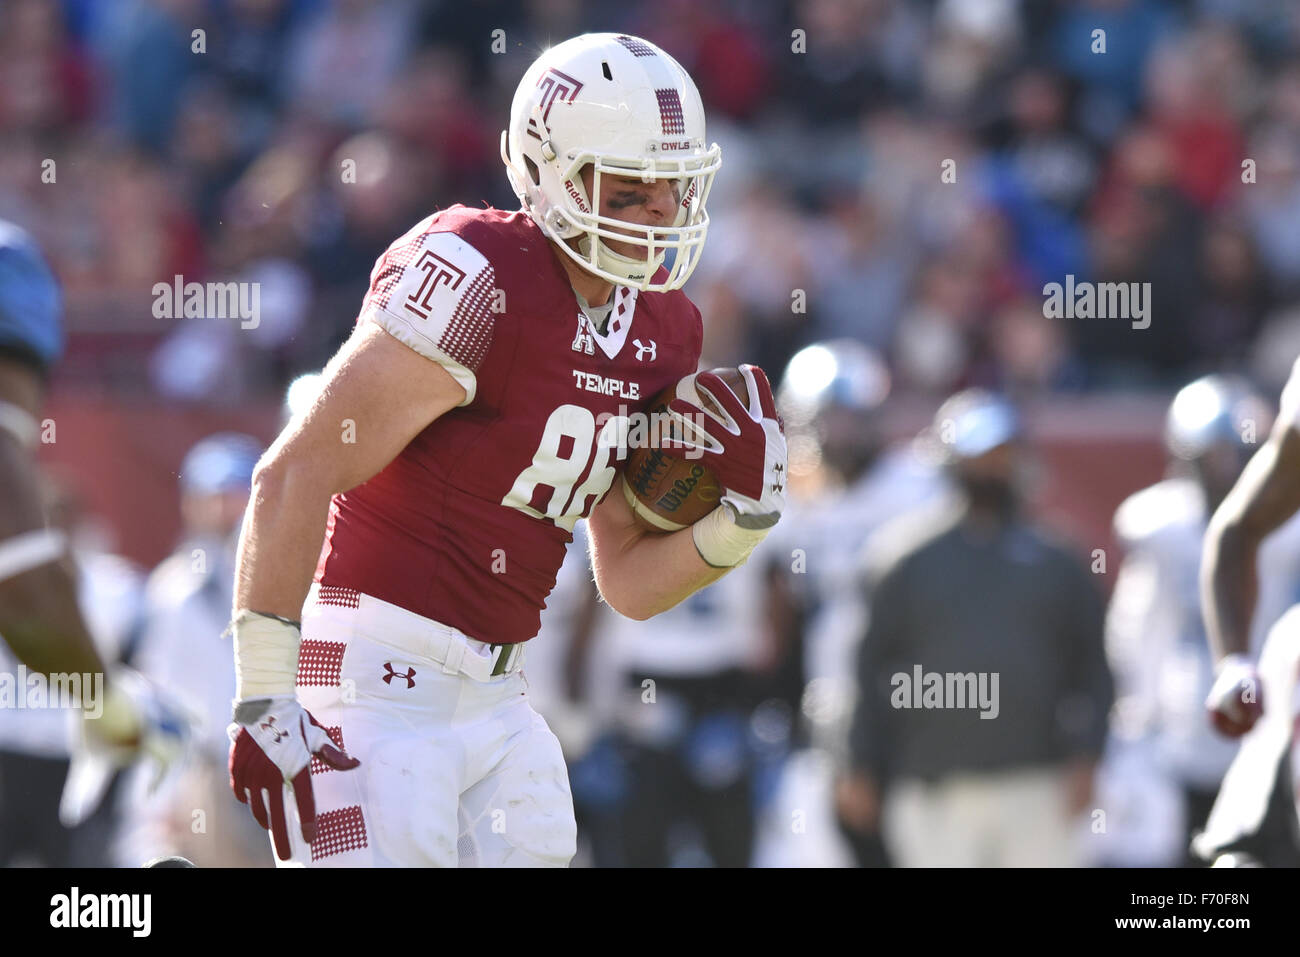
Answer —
626 108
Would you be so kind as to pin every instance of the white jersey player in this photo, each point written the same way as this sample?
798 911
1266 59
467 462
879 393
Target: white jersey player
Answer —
181 648
1264 498
689 681
830 395
1155 635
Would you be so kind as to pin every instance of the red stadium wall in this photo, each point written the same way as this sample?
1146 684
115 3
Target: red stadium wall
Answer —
123 459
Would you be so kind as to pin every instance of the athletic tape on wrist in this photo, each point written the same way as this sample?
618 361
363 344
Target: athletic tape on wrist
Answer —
266 654
721 543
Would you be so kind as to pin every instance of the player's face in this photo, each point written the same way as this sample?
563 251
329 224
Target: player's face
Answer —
992 480
848 439
633 200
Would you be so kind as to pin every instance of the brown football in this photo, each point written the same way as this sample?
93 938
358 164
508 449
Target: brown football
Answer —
666 490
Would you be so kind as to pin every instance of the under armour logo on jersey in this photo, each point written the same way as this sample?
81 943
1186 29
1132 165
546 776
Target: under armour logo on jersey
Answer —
269 726
582 341
409 676
642 349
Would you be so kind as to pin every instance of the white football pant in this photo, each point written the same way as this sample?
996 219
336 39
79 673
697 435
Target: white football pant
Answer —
455 770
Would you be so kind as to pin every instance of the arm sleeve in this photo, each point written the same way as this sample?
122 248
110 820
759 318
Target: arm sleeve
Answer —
434 292
1088 690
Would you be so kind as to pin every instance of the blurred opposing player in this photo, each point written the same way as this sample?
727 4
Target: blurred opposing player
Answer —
34 745
38 610
1263 498
473 417
39 615
690 680
181 648
853 484
1155 637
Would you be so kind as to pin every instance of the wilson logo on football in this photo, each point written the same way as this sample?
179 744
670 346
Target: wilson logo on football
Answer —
409 675
682 488
436 271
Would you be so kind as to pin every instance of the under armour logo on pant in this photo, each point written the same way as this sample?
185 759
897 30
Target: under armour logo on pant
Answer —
409 676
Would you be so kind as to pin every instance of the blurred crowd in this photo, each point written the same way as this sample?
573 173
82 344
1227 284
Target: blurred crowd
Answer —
908 173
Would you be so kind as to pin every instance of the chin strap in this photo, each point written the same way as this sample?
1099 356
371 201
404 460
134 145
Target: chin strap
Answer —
622 266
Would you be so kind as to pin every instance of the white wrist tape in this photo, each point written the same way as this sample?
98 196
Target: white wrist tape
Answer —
266 655
31 550
721 542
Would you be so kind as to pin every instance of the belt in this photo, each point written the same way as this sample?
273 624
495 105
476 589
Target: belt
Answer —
417 635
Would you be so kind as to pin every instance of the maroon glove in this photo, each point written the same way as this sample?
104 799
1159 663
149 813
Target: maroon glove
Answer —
745 445
272 743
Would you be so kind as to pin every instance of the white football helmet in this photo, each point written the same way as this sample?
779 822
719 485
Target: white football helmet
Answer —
627 108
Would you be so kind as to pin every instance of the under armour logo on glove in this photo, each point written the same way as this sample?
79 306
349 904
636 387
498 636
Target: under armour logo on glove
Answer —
269 727
409 676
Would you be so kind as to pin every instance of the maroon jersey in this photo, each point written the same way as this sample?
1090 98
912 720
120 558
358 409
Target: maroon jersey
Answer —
468 525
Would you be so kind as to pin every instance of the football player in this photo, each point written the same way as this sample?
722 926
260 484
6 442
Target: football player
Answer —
1263 498
39 615
181 649
1155 641
832 395
475 414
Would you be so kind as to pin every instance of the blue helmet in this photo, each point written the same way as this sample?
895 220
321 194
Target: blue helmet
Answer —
1215 410
841 372
974 422
30 304
223 462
